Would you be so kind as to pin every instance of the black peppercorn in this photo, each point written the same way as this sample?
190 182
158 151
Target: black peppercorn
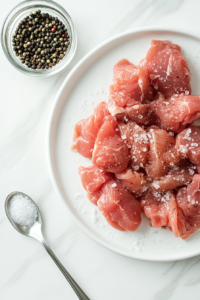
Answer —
36 31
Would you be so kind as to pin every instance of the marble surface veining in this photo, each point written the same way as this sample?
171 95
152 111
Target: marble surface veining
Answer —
26 272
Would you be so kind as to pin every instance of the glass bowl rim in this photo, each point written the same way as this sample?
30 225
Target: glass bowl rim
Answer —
73 48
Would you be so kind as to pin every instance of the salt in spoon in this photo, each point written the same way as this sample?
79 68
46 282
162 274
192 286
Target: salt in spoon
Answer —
35 231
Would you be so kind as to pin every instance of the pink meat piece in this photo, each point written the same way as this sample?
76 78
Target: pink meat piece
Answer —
162 211
92 178
188 199
178 224
176 112
156 207
183 228
188 145
119 207
162 154
167 68
136 139
85 131
132 181
131 86
139 113
181 174
94 196
151 163
130 83
110 153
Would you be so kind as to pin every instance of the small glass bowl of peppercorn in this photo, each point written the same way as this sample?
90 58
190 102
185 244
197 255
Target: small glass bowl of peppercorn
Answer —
38 38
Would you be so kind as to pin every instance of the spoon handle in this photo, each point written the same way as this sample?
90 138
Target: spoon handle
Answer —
79 292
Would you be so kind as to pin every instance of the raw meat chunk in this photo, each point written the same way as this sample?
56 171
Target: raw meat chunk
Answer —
131 86
188 145
137 140
167 68
132 181
119 207
139 113
156 207
92 178
162 211
162 154
176 112
145 153
85 131
110 153
179 175
188 199
178 224
94 196
182 227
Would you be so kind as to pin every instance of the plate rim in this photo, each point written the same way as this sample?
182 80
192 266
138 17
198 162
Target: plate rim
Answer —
190 33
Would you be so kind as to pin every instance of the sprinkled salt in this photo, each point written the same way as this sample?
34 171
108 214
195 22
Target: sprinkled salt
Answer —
141 138
135 168
166 197
22 210
183 149
191 172
157 195
156 185
94 215
187 137
171 133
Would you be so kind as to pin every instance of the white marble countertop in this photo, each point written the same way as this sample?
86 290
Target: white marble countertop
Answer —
26 271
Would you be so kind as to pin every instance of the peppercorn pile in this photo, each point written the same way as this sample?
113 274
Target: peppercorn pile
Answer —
40 41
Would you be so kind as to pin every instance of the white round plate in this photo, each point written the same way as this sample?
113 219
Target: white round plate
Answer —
85 86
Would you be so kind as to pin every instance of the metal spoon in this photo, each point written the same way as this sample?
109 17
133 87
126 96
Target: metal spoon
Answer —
35 231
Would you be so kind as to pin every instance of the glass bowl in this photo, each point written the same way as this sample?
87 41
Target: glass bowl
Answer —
21 11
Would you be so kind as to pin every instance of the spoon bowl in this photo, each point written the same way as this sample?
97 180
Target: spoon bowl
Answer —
35 231
32 231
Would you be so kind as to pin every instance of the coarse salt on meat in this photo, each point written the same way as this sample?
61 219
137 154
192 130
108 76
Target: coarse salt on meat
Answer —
167 68
141 152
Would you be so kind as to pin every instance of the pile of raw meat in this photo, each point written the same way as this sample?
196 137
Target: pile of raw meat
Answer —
145 152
